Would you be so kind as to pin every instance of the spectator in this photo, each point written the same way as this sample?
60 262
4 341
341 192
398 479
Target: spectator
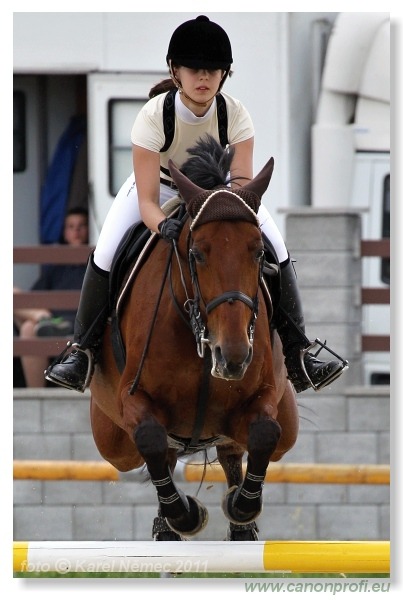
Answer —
41 322
21 315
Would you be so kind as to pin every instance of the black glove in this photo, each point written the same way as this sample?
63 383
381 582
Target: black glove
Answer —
170 229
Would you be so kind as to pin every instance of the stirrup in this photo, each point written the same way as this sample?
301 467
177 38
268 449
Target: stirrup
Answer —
343 364
59 360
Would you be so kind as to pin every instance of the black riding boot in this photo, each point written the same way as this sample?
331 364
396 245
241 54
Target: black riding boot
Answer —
304 369
75 370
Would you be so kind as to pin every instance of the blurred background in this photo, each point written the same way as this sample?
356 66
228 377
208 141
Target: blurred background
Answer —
317 86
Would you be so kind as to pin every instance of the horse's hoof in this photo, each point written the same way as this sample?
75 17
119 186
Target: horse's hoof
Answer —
168 536
242 533
163 533
190 522
234 514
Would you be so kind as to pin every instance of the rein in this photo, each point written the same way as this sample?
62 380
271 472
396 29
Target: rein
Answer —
204 389
147 344
196 324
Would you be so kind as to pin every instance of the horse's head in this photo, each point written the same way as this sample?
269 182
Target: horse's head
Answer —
225 257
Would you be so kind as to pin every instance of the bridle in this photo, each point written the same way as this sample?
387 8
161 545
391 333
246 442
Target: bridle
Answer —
192 305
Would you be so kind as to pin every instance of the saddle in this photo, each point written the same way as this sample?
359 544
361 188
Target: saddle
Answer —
133 252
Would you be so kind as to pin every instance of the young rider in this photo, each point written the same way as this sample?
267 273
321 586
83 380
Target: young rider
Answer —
199 59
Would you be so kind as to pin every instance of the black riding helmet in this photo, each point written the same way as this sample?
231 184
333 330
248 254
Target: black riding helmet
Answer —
200 44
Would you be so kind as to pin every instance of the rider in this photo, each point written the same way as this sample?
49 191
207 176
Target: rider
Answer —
199 59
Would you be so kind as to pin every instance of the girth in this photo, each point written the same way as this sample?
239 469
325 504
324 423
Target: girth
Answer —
185 446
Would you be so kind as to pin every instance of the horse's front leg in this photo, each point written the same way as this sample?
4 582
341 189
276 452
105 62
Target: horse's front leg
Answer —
230 458
243 503
184 514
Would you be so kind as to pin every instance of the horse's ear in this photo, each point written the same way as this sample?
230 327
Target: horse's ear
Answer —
260 183
187 188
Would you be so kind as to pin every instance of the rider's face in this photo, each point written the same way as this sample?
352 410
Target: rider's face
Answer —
199 84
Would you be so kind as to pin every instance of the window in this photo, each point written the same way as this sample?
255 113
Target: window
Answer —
385 262
19 132
121 116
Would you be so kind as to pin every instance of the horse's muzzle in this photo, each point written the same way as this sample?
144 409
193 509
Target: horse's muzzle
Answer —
230 365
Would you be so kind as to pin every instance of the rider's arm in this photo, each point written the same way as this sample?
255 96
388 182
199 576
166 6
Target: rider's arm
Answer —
147 176
242 163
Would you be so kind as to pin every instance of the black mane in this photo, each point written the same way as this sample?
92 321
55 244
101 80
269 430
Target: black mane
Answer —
209 163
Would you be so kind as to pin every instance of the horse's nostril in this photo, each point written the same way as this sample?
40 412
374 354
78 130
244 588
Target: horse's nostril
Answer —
232 362
234 367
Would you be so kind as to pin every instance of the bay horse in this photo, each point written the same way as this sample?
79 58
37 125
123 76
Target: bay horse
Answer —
204 367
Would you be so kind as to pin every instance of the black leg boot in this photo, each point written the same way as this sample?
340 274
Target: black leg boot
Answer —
75 369
304 369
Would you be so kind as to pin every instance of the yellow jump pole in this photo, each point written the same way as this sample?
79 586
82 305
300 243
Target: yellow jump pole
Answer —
203 557
328 557
277 472
65 470
304 473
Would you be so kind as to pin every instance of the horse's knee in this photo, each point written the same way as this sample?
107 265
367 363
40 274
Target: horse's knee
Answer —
151 441
264 435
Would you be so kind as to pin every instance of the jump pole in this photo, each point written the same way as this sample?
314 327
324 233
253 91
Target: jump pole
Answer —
186 472
203 557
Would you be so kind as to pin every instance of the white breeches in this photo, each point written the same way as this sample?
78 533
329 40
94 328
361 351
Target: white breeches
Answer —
125 211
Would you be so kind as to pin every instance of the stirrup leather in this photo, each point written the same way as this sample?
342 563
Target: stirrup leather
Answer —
343 364
59 359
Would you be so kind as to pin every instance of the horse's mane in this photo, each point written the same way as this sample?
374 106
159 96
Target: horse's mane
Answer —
208 168
209 163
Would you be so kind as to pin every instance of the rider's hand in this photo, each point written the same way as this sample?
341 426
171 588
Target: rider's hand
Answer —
170 229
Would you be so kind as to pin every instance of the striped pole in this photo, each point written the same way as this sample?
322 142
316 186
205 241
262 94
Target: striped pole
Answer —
203 557
276 473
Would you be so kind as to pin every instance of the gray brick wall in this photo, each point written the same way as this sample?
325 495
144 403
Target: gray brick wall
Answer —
325 243
334 428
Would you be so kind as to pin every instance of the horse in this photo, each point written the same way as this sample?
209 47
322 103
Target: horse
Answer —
204 366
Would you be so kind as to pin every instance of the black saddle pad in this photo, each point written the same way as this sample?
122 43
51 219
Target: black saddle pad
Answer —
272 273
126 254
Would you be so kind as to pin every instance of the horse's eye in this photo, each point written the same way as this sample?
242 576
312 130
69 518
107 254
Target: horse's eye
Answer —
259 254
197 255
